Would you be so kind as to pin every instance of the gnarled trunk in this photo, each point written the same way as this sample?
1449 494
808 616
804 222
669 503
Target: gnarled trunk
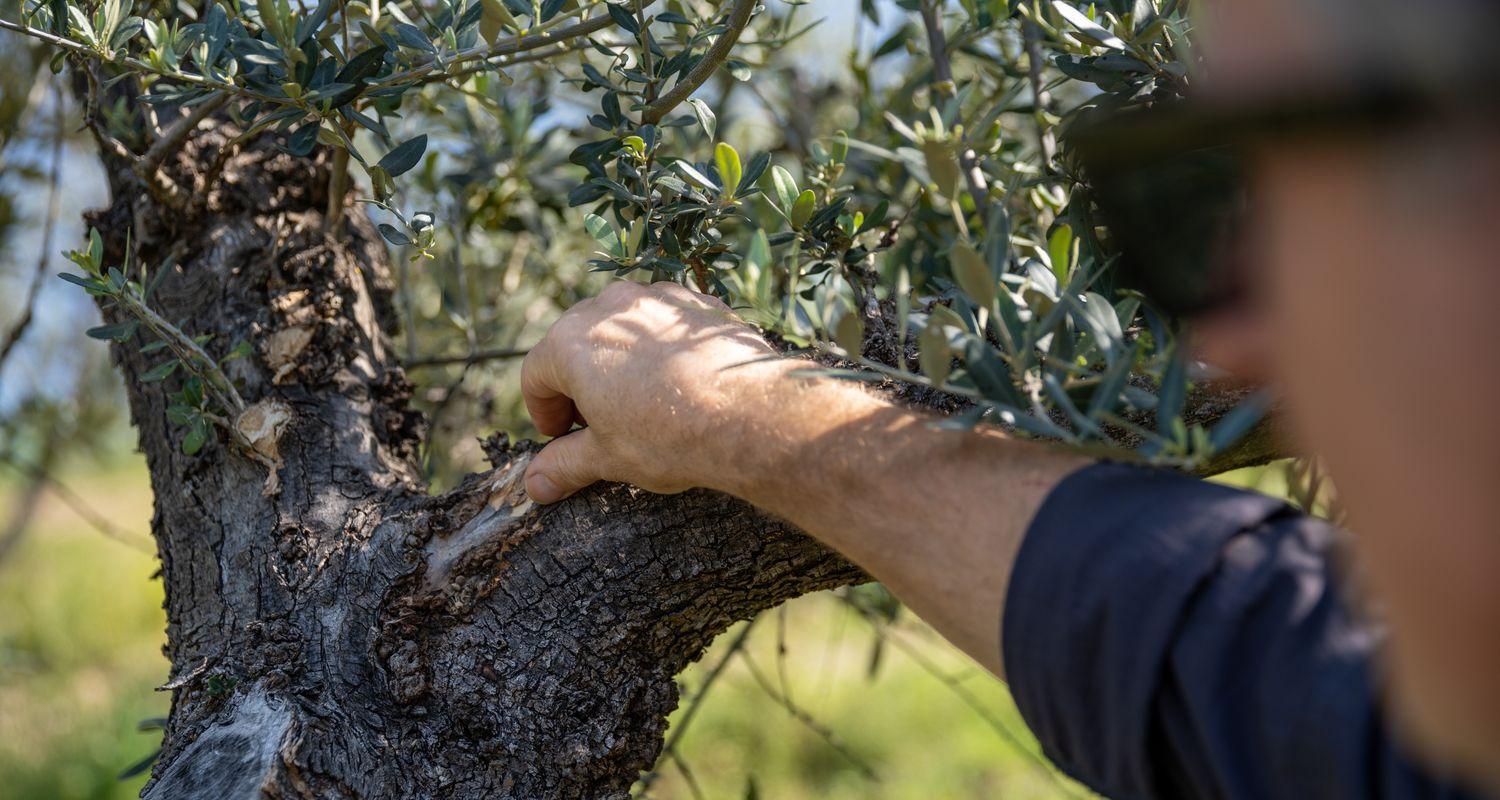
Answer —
350 635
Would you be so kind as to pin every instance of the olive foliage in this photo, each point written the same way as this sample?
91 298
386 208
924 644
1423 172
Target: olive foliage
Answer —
913 213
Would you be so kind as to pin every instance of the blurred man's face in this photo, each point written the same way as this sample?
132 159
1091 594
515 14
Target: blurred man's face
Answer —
1381 260
1377 256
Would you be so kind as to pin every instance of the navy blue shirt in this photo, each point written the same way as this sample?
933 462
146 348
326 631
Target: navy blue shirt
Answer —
1166 637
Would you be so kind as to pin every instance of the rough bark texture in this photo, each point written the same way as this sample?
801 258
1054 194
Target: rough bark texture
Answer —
351 635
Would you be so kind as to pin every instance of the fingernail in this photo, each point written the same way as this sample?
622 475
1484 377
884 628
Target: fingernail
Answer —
542 489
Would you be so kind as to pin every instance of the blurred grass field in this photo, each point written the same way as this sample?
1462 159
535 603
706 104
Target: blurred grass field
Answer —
80 654
81 630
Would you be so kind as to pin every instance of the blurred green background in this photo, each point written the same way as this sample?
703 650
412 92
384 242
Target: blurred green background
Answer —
81 629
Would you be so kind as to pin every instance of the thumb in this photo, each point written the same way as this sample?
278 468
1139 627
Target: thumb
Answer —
567 464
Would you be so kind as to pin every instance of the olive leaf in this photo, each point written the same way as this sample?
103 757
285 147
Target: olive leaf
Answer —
728 162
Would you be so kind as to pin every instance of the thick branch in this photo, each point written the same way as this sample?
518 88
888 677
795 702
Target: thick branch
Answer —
173 137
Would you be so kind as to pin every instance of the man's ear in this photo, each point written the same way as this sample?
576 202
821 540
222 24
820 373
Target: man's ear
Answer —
1234 338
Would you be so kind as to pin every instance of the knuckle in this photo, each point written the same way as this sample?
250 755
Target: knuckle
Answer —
564 464
578 462
620 290
577 310
672 289
531 364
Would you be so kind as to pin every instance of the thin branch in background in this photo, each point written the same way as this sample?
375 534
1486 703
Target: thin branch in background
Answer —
39 85
1031 33
830 646
942 79
471 337
822 731
680 729
461 278
434 416
786 684
54 200
25 509
687 775
964 695
76 503
475 357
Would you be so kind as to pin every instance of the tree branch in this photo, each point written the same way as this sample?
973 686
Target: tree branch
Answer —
137 64
54 176
1031 33
173 137
539 38
39 476
739 17
942 75
476 357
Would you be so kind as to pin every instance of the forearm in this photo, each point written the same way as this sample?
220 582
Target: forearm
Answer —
678 392
936 515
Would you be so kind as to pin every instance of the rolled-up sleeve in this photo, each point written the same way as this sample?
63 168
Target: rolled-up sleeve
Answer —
1166 637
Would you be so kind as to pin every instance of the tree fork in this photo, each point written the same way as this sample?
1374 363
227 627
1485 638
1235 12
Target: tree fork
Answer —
352 635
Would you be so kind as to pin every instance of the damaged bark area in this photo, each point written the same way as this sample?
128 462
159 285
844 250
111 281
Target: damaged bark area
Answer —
349 635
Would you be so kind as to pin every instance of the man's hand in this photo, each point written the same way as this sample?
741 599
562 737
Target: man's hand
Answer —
653 373
675 392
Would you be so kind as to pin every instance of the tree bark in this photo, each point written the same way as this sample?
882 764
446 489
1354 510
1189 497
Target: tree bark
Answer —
351 635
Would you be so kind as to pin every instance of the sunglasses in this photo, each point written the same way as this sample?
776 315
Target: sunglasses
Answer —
1169 182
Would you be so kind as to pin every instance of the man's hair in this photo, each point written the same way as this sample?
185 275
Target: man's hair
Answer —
1439 47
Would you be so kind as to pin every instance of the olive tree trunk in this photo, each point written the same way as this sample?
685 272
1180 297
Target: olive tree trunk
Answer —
350 635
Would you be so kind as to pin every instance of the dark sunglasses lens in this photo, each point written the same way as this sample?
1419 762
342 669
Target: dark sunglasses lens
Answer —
1173 218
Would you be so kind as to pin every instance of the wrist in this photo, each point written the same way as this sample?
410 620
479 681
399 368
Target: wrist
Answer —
773 426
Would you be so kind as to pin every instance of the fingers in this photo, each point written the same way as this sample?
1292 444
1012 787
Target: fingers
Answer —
544 372
615 320
564 466
547 401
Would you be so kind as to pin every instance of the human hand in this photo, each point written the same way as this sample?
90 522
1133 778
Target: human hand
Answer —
656 374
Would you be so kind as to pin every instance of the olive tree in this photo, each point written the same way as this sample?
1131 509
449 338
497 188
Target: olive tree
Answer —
334 224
